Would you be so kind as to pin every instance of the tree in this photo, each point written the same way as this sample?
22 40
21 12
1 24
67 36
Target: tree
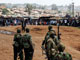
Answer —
54 7
28 7
5 11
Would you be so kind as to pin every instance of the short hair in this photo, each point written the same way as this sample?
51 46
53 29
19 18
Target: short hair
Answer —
27 30
18 31
49 27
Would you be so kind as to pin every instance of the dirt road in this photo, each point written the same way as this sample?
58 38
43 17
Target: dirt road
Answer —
70 36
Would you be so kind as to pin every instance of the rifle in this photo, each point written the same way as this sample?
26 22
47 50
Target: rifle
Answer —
58 31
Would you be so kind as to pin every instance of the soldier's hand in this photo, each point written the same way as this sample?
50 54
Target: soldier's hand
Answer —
43 47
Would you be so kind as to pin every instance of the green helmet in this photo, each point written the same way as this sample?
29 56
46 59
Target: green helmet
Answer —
18 31
61 47
67 56
49 27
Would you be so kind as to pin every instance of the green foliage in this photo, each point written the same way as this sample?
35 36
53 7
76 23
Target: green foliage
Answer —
5 11
29 7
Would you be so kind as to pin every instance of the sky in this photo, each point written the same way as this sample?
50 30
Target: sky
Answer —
43 2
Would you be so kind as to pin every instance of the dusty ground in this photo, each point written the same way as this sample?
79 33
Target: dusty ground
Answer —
70 37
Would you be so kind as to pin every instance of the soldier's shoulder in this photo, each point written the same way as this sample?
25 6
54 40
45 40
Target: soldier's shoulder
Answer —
47 31
27 34
15 35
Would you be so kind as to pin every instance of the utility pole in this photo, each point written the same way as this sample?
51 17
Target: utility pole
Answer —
72 8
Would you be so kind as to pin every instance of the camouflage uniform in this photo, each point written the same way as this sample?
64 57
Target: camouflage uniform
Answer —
48 35
63 56
58 56
61 47
67 56
49 47
17 46
28 46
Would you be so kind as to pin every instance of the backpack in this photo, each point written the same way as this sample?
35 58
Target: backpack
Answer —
26 42
50 45
17 40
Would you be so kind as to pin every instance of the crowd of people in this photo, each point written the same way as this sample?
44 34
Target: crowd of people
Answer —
51 45
28 21
70 22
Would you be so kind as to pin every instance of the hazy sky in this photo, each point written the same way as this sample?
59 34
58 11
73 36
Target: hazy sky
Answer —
42 2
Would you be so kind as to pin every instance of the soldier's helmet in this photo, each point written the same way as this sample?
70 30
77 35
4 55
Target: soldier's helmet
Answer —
27 29
61 47
18 31
67 56
49 27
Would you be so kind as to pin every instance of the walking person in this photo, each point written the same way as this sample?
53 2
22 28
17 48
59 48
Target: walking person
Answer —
17 45
28 45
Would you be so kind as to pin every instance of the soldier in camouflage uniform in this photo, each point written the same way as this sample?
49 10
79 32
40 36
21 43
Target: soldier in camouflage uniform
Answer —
58 55
17 46
47 35
61 55
28 46
56 43
49 47
65 56
51 34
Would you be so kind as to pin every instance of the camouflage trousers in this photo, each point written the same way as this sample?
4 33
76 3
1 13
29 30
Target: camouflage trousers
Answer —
28 54
18 52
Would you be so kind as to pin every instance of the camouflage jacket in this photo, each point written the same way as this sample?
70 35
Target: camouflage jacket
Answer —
55 40
17 40
27 41
67 56
50 46
63 56
47 36
49 33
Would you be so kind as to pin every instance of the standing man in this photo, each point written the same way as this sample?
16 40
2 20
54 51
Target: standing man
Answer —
28 45
17 46
48 34
49 47
23 25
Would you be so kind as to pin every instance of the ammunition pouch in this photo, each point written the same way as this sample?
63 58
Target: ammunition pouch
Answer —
15 44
